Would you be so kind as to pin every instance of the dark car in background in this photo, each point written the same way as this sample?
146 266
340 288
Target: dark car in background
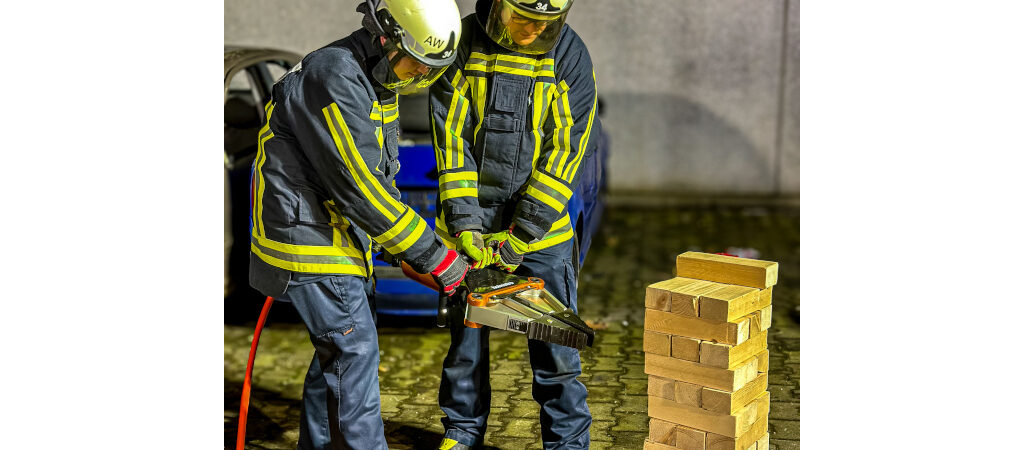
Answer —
249 74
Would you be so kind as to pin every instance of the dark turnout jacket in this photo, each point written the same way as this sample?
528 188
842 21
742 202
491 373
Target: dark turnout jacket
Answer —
511 131
323 180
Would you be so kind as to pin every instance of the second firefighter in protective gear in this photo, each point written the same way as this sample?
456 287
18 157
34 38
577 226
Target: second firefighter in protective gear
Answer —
513 119
323 191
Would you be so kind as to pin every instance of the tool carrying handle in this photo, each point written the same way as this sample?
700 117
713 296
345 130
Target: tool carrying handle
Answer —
442 311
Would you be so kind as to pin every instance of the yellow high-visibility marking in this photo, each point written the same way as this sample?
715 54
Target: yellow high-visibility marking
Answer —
559 125
460 192
349 269
584 140
567 118
552 183
261 159
404 245
544 197
357 166
458 176
397 228
308 250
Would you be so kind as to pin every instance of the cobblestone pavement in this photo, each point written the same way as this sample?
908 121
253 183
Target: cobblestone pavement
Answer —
635 247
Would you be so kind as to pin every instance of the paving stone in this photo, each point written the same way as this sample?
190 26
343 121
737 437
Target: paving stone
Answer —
600 431
784 444
784 429
785 410
631 421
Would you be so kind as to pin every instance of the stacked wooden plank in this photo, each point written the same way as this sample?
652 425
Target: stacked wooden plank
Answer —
706 351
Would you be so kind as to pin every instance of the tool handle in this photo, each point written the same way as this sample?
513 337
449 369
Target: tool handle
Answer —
421 278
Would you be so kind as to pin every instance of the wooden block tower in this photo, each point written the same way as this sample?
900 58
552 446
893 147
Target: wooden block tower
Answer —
706 351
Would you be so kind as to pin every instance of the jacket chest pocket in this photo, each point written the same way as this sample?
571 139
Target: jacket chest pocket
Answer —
503 127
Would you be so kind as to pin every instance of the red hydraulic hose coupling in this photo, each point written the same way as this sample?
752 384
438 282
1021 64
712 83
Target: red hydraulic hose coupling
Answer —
247 382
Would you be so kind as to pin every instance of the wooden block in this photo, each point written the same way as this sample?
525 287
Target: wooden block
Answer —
729 356
719 442
685 299
661 387
656 298
762 444
662 432
761 320
686 393
649 445
730 303
677 391
705 330
658 294
690 439
724 402
762 361
728 425
657 343
684 348
727 269
691 372
743 330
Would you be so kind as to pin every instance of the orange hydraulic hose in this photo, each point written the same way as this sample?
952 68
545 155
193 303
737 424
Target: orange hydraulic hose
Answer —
246 384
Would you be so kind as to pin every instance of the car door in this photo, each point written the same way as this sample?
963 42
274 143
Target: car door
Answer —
247 92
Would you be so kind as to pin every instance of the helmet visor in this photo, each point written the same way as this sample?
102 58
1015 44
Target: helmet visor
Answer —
522 30
409 75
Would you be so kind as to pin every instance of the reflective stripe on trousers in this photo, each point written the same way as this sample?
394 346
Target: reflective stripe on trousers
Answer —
465 395
341 394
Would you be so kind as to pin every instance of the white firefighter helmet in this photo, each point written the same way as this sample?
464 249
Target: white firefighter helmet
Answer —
425 30
527 26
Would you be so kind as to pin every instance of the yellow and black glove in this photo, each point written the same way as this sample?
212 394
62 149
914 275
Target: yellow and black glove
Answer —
471 244
509 248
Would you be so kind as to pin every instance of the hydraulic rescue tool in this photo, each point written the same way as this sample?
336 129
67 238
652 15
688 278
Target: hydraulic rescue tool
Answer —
500 300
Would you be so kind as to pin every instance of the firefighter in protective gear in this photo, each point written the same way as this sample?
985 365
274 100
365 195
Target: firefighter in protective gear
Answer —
513 119
323 192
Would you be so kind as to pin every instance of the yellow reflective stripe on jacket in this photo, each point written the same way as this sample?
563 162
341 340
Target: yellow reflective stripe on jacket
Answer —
514 65
458 184
261 157
548 190
584 140
367 183
454 122
386 114
311 263
478 94
442 231
339 257
560 232
563 125
541 98
403 234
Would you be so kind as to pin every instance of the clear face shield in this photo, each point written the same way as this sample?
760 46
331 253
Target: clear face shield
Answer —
407 72
523 30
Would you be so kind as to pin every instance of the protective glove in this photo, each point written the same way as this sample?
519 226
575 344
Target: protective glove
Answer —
450 272
509 249
471 243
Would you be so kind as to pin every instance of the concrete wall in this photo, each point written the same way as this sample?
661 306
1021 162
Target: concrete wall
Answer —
700 96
